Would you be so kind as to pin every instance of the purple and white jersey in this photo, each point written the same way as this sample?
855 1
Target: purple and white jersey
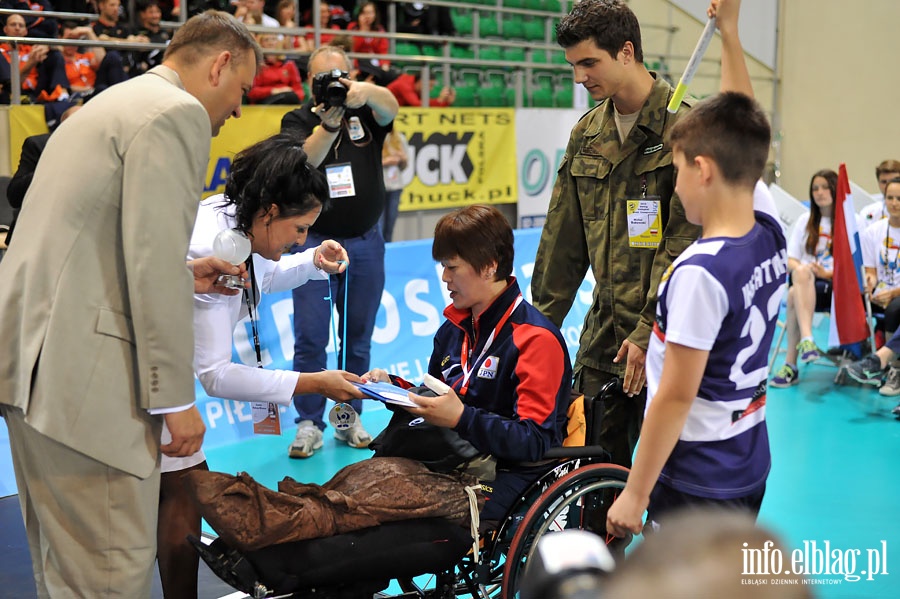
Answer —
722 295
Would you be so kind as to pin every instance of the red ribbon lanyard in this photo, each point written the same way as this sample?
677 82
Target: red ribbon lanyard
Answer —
464 358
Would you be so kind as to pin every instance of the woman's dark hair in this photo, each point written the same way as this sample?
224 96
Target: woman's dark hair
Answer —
815 213
478 235
376 23
275 172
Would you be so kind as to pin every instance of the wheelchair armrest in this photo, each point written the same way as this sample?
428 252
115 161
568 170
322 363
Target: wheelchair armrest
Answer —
588 451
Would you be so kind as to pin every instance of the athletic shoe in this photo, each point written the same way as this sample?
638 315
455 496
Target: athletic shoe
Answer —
786 377
867 371
307 440
355 436
891 387
808 351
896 411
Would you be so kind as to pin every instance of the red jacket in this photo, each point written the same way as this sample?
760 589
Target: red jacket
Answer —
369 45
404 89
278 74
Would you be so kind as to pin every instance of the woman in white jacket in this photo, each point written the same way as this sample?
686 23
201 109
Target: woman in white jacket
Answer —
273 195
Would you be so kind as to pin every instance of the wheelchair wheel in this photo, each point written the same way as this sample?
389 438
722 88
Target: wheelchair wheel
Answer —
578 500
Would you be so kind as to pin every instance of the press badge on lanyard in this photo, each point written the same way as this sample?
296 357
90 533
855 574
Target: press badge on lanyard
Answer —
644 222
340 180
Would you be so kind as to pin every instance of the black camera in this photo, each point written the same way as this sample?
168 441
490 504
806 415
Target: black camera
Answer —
327 88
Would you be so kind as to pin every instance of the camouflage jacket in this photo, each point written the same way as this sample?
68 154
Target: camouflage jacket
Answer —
587 225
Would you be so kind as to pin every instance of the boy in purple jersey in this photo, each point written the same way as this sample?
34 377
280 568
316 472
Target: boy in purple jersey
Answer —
704 439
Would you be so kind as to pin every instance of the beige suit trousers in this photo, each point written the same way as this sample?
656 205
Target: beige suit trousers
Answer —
91 528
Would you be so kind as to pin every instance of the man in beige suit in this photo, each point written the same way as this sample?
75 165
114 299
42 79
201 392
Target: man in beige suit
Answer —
96 338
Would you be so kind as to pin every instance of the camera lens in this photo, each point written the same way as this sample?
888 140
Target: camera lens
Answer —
335 94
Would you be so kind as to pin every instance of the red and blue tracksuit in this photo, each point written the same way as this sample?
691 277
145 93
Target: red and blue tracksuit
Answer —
517 392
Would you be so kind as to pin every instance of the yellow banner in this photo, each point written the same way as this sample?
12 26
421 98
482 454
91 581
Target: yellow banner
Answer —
24 121
256 123
458 157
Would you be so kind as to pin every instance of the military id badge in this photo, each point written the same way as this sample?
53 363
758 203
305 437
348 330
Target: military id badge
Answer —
644 222
340 180
266 419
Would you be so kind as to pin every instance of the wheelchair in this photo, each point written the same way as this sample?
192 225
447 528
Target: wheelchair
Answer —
433 558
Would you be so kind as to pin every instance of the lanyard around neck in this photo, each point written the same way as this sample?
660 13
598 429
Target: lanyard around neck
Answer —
250 304
464 358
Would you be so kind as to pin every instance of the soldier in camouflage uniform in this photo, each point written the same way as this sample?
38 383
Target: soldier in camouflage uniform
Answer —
613 208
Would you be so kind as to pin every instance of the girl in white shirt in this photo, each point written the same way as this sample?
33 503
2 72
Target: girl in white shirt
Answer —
881 258
273 195
811 268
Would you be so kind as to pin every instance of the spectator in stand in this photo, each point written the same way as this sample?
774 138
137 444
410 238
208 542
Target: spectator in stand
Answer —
286 15
170 9
325 24
418 17
884 172
150 14
37 26
41 69
89 70
407 89
394 158
810 270
277 80
110 26
254 8
367 19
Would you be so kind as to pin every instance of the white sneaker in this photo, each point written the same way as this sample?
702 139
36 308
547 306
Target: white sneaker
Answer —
307 440
355 436
891 387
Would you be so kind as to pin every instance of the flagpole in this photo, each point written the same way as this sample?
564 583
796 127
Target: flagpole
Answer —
693 63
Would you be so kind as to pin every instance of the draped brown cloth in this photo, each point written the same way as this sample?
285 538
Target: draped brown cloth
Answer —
249 516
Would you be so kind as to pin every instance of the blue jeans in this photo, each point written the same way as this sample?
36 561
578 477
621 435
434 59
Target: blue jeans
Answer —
312 320
391 211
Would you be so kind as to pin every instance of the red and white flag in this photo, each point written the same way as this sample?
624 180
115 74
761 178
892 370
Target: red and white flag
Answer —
848 315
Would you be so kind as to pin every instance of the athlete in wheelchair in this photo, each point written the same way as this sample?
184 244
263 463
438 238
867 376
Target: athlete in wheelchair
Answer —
509 379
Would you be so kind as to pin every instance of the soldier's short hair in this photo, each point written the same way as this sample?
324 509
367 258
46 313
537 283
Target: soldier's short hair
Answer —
887 166
212 31
610 23
731 129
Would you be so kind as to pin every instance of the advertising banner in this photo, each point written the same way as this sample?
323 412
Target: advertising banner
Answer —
256 124
541 139
458 157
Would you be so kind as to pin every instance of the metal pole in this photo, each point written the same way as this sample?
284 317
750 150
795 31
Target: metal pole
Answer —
15 77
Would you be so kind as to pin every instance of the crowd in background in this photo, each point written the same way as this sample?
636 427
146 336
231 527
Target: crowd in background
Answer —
59 77
811 272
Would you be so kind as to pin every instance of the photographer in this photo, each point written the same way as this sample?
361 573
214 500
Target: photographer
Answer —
344 125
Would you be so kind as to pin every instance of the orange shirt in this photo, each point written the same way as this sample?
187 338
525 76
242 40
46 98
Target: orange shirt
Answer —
79 71
31 80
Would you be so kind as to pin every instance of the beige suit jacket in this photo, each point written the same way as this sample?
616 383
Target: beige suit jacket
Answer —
96 305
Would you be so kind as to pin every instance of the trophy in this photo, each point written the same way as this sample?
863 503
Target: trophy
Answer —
232 246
